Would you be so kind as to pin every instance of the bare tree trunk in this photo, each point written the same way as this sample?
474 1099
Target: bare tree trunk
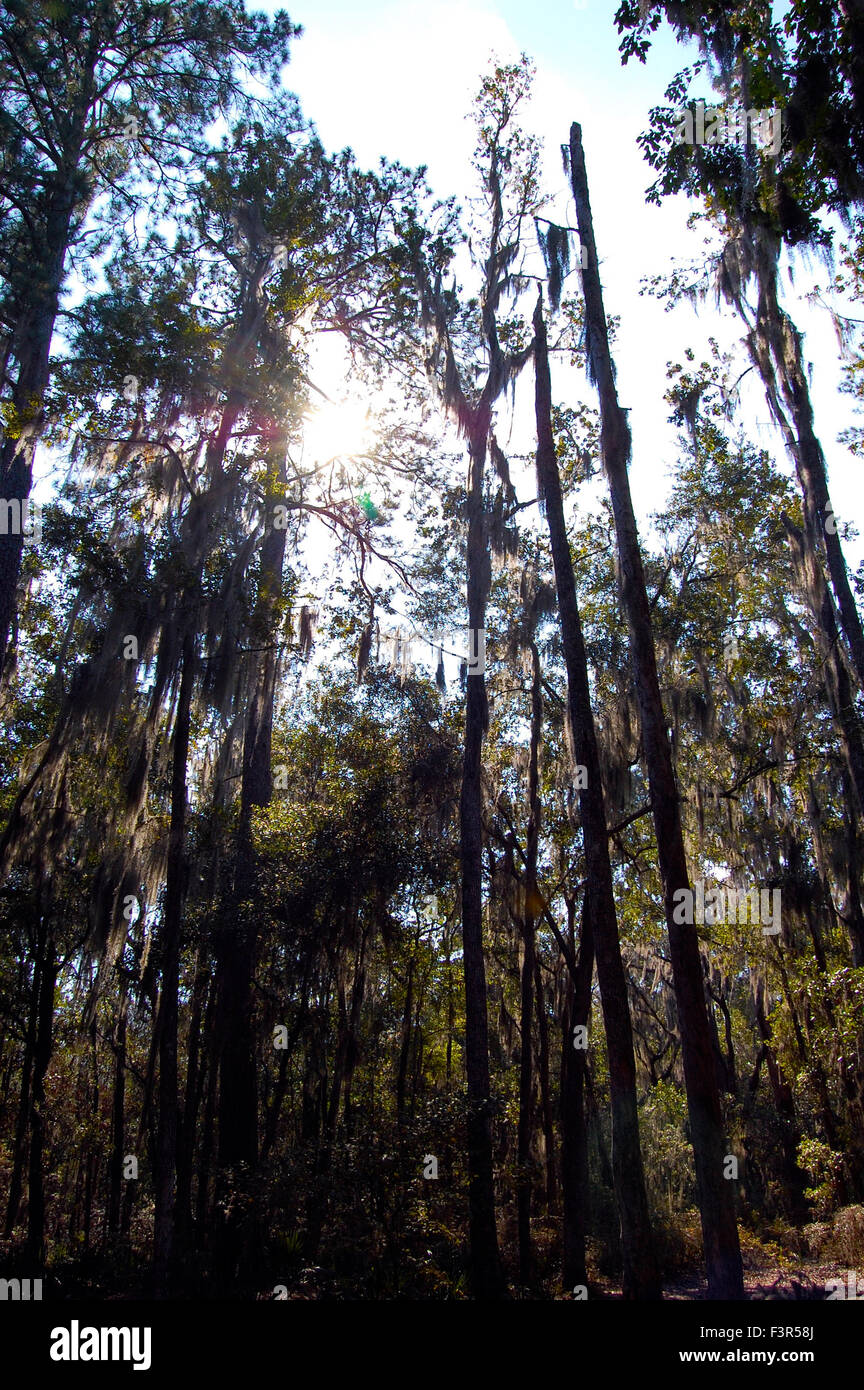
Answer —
175 885
525 1128
716 1196
32 344
238 1086
271 1123
41 1058
405 1044
782 1095
854 916
189 1125
545 1093
775 346
640 1275
16 1181
118 1116
574 1124
205 1160
486 1271
839 689
352 1043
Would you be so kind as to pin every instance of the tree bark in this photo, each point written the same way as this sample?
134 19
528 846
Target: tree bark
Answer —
16 1181
838 686
175 885
118 1117
545 1092
525 1128
785 1106
191 1101
775 346
41 1058
640 1274
238 1085
32 345
716 1197
487 1277
405 1045
574 1123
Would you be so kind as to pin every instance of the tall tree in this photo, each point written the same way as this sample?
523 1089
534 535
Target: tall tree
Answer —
716 1196
641 1277
508 162
97 98
768 198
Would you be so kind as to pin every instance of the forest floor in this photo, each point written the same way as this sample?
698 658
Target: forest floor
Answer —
807 1281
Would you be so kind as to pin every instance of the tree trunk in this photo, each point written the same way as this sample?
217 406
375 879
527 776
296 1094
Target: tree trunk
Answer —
839 689
640 1274
545 1093
352 1046
487 1278
782 1095
189 1125
41 1058
525 1127
853 918
574 1125
531 907
238 1085
32 345
175 885
405 1044
775 345
118 1117
716 1196
16 1181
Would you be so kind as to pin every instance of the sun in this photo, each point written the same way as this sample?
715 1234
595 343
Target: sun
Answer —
336 430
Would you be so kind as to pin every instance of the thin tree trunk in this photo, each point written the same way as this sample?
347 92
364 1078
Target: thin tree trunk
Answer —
775 346
41 1058
32 344
352 1052
574 1124
640 1275
525 1128
271 1123
545 1093
853 918
839 689
16 1181
167 1133
238 1085
531 907
716 1195
118 1116
782 1095
487 1277
205 1160
405 1044
189 1126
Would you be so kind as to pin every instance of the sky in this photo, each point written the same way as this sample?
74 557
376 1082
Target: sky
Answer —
397 77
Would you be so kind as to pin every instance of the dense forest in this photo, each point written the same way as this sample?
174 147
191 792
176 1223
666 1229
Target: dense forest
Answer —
422 875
